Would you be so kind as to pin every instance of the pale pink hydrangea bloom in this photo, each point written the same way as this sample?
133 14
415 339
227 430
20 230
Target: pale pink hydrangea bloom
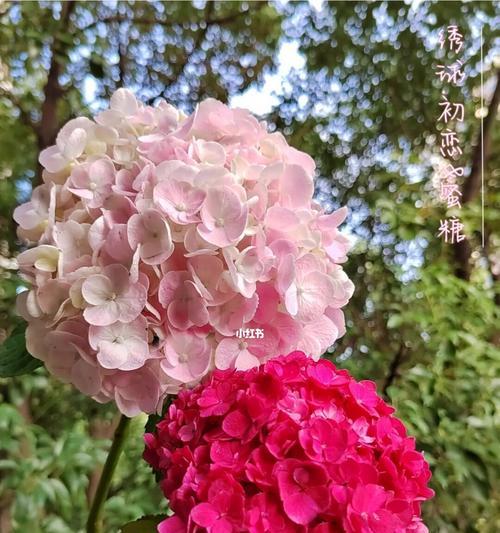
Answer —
159 235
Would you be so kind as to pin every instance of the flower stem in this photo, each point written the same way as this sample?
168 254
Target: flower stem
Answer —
94 522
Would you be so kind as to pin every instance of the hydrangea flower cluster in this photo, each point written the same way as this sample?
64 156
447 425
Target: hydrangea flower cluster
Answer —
159 236
292 446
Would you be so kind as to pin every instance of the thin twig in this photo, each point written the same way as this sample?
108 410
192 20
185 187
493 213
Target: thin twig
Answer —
154 21
393 370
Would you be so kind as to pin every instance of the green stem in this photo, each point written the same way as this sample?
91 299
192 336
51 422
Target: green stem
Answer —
94 522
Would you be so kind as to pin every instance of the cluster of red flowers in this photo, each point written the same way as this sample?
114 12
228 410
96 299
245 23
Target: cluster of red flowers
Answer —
292 446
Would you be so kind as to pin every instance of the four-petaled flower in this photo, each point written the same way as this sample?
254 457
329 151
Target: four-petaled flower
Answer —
112 297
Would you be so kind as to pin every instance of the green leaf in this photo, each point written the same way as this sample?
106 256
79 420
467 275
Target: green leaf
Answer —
146 524
14 358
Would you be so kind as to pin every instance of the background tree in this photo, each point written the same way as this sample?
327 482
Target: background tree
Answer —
424 319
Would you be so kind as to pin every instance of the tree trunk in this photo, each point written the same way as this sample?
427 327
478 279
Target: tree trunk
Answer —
462 250
49 125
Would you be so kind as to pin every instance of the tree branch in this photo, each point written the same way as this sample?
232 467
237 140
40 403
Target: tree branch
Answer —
393 371
197 43
48 126
52 90
122 57
473 183
462 250
166 23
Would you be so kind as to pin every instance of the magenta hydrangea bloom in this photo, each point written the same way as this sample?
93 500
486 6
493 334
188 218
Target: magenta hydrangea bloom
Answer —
295 445
159 236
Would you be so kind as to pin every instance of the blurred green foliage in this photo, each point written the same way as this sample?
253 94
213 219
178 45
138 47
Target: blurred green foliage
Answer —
363 100
49 449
